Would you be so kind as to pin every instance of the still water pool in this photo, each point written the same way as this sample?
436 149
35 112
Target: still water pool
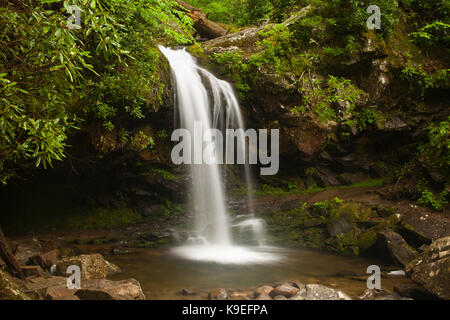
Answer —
164 273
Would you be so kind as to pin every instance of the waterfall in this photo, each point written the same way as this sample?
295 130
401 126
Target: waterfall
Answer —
212 239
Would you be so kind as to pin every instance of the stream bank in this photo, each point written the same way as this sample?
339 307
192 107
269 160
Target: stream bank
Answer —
357 224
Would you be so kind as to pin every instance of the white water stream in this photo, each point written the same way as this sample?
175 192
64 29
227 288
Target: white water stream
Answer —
212 239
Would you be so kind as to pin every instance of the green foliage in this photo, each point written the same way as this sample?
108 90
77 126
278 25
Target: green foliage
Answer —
270 190
234 12
232 59
337 24
422 12
421 81
54 79
429 200
436 32
140 141
348 211
164 173
340 93
436 152
275 45
169 209
326 207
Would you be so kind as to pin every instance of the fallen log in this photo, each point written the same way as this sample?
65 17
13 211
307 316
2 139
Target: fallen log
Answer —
9 258
205 28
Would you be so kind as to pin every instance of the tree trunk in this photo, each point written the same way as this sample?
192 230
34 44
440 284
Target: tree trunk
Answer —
9 258
206 28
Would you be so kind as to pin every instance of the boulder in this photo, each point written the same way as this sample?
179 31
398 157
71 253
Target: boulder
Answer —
285 290
187 292
44 260
427 226
299 296
26 249
320 292
375 294
280 297
102 289
111 268
96 289
396 246
263 290
342 221
240 296
32 271
65 249
263 296
93 266
60 293
301 290
432 268
12 288
41 284
413 291
218 294
339 226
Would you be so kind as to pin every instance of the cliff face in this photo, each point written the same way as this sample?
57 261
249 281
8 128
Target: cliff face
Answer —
344 117
350 105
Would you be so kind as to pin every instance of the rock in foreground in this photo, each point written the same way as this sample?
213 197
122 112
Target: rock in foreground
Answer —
93 266
432 268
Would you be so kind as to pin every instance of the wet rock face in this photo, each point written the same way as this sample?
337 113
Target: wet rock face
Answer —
307 139
432 268
426 226
396 246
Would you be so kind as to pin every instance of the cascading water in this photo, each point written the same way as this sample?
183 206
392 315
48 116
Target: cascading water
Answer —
212 240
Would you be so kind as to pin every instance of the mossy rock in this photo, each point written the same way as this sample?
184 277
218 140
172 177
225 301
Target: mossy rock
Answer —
315 237
344 220
367 240
325 208
347 243
349 211
348 239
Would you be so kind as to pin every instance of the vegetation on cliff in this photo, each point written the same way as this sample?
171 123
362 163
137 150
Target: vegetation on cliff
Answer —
338 78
